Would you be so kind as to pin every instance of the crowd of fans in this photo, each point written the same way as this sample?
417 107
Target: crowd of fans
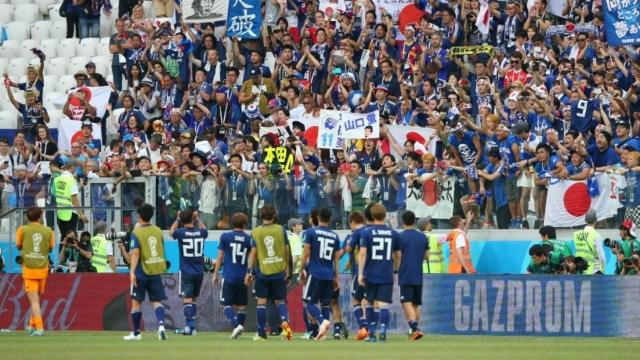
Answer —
508 118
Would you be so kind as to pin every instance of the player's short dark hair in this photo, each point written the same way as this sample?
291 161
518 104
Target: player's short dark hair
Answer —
549 231
4 140
367 213
544 146
186 216
494 152
378 212
356 217
233 69
34 213
239 220
408 218
313 216
145 211
236 155
268 212
324 215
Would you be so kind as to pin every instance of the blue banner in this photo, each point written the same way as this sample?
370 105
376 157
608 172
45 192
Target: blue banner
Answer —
245 19
621 21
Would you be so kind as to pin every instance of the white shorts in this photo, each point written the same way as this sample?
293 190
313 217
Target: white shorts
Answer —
525 179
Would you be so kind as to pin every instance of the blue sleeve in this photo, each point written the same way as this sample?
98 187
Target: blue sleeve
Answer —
306 236
204 233
22 86
221 243
134 241
396 241
364 241
176 234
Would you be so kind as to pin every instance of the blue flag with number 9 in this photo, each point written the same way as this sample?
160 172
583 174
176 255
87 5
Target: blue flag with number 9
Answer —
582 115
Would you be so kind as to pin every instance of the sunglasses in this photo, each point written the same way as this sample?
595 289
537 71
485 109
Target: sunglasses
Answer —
515 61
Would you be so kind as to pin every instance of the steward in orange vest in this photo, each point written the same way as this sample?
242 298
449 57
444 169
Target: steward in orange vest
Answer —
459 249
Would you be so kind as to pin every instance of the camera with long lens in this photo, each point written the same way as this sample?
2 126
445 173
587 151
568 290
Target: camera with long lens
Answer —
119 236
611 243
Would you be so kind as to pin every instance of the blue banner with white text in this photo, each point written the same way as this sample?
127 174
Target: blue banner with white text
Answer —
621 21
245 19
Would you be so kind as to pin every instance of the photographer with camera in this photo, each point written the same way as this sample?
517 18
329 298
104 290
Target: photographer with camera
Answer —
625 248
544 260
102 260
76 253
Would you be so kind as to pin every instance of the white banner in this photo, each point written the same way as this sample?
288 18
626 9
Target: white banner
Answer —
392 7
201 11
98 98
432 199
568 201
401 134
337 126
70 130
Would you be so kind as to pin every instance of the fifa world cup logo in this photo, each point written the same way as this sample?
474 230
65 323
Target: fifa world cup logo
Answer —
269 242
37 239
153 243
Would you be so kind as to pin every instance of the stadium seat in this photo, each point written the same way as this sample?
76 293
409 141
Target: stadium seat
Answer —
18 30
77 63
4 62
67 47
26 12
8 119
19 2
148 9
54 117
107 24
58 29
44 5
26 46
6 13
103 47
9 49
270 60
87 47
49 97
17 67
65 83
48 46
56 66
50 83
103 64
40 29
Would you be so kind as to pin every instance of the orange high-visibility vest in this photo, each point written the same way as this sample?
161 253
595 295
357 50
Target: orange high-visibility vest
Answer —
455 267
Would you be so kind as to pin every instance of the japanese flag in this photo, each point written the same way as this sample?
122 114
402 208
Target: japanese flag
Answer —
484 16
568 201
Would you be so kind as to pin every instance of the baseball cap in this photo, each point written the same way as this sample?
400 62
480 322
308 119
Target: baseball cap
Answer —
146 81
626 225
86 123
382 87
293 222
80 73
313 159
90 64
58 161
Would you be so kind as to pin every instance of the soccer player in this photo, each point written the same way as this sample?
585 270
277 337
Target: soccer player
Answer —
321 256
378 259
414 247
351 246
147 264
191 248
233 248
35 242
270 258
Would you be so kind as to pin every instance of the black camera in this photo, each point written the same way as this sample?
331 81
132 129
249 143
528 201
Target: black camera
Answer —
119 236
611 243
19 260
71 240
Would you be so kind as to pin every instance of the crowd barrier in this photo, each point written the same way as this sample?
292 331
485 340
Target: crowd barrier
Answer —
452 305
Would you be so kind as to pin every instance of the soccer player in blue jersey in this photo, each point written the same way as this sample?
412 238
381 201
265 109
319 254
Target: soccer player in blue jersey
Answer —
233 252
413 247
191 234
351 246
377 261
321 256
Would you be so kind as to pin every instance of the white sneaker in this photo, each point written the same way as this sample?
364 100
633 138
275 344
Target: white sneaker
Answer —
162 335
131 336
322 331
237 332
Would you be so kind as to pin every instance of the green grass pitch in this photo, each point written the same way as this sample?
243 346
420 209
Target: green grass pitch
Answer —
72 345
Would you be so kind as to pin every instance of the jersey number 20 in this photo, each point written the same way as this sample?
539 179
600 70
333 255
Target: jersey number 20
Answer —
192 247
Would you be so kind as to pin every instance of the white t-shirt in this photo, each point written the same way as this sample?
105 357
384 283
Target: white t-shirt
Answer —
460 242
154 156
7 173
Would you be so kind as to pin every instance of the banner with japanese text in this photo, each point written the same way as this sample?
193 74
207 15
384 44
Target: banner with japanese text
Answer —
621 21
201 11
337 126
280 155
433 198
245 19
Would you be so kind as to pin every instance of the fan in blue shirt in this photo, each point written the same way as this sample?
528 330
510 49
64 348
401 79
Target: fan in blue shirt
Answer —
379 246
321 257
413 246
191 248
233 252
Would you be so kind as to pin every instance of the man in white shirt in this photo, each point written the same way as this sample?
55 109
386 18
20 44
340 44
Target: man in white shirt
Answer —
152 150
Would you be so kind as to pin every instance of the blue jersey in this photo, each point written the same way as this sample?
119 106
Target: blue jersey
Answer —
353 241
582 115
413 245
191 249
465 147
506 153
380 241
324 244
236 246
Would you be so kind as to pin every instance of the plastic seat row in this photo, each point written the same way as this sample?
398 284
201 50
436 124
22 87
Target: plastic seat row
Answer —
56 48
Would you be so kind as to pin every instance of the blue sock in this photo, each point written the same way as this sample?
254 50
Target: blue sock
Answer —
314 330
136 317
282 311
305 317
326 312
242 316
371 316
160 315
231 315
315 312
384 320
189 310
413 325
359 315
261 313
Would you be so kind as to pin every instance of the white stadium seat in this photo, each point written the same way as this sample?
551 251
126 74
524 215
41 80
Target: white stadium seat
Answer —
18 30
40 29
6 13
67 47
77 63
56 66
107 24
17 67
58 29
103 46
26 12
49 97
48 46
65 83
54 117
9 49
4 62
26 46
54 12
8 119
18 2
43 5
50 83
5 104
103 64
88 47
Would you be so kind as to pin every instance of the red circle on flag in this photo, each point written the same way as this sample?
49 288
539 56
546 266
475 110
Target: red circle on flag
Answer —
76 136
311 135
410 14
87 95
577 200
429 193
